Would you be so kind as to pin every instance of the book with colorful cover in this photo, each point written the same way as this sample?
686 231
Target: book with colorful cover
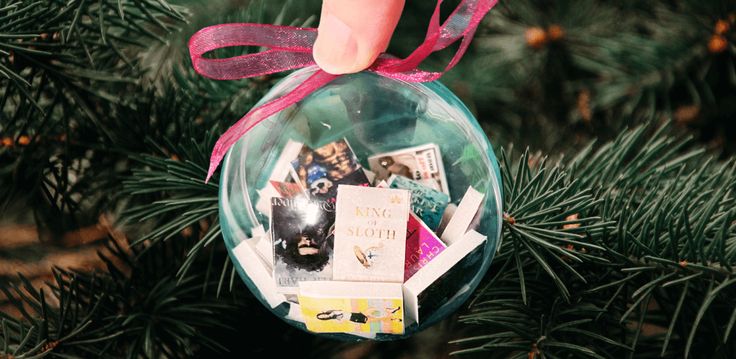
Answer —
321 170
421 163
302 232
422 245
426 203
370 234
360 308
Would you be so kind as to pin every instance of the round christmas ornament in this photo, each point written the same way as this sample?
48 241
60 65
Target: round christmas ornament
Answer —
358 206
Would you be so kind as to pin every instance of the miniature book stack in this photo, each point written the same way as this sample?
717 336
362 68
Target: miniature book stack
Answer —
351 258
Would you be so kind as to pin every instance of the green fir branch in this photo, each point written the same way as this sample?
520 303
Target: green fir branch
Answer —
636 232
135 309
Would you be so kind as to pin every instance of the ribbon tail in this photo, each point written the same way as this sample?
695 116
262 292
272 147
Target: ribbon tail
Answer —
256 115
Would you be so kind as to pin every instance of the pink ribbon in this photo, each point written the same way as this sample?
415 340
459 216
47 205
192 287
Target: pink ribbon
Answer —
290 48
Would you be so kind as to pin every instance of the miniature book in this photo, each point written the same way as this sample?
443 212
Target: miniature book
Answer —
302 233
360 308
321 170
443 277
463 216
421 163
422 245
426 203
282 181
251 263
370 234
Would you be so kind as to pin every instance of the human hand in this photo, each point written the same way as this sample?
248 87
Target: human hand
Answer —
352 33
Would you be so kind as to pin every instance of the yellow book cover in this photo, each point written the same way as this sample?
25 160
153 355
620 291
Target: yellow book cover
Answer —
358 308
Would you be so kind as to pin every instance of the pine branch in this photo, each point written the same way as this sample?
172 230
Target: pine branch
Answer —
578 67
75 43
63 67
171 154
135 309
650 275
176 199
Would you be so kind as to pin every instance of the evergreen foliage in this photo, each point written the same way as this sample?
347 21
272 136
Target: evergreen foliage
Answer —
621 249
634 238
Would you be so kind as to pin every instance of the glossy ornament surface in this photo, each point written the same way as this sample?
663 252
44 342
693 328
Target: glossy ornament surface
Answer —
376 115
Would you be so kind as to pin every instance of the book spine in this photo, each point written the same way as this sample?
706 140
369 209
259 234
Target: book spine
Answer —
463 216
257 272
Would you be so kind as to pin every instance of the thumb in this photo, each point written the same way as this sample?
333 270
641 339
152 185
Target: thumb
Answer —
352 33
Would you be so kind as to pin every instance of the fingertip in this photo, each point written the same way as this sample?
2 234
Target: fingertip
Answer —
336 48
353 33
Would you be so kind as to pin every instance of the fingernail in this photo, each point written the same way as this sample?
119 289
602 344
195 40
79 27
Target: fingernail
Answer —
336 49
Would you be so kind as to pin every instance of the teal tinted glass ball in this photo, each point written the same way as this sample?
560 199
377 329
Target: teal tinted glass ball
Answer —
375 115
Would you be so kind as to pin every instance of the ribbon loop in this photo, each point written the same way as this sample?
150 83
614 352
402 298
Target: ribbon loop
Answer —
290 48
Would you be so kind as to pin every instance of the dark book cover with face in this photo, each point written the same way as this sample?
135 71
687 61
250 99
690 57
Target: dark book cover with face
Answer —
449 284
303 236
321 170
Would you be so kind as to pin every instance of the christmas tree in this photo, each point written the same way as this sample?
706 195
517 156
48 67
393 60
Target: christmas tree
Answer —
615 137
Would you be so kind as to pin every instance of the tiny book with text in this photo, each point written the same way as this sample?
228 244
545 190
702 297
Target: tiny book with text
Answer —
361 308
370 234
321 170
420 163
422 245
426 203
302 239
443 278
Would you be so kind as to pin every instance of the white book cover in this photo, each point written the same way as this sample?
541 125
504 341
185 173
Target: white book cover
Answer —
370 175
360 308
421 163
258 231
261 276
463 216
443 278
295 313
264 248
370 234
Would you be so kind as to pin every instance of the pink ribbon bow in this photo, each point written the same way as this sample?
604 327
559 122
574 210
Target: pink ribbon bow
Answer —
291 48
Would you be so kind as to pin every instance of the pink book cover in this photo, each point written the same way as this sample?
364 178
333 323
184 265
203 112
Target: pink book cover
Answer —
422 245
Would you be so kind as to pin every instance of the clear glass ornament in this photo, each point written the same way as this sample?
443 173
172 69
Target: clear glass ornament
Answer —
376 115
